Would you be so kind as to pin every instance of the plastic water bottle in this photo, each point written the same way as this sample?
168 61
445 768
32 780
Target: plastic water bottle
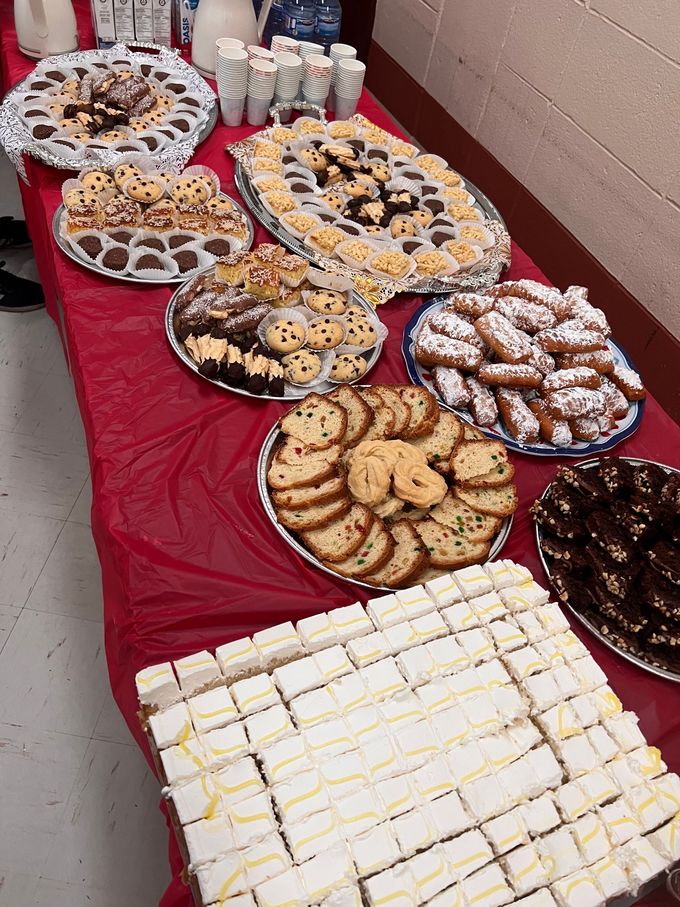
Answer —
300 19
328 20
275 22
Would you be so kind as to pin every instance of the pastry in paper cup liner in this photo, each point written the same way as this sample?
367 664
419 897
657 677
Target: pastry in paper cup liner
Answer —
401 149
402 184
430 163
309 126
406 169
73 190
149 239
207 174
89 244
411 245
326 332
466 254
120 235
364 330
305 368
356 250
267 165
297 171
325 239
191 258
402 225
65 148
189 100
325 214
278 203
299 223
439 234
349 366
288 330
95 180
461 212
175 85
303 190
390 263
374 152
475 234
151 140
189 189
145 189
116 259
349 227
341 129
436 205
268 181
151 265
434 263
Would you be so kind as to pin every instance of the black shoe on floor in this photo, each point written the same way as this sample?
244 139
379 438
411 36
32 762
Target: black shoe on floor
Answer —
13 234
18 294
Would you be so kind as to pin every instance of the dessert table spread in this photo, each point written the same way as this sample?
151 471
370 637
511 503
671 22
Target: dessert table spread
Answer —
189 558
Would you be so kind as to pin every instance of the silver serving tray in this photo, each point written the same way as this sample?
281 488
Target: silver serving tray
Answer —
129 278
629 656
263 463
466 281
295 393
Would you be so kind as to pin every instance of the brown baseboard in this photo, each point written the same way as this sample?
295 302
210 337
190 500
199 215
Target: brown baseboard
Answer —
555 250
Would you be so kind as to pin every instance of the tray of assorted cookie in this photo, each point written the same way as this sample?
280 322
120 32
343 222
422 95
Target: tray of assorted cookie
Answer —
139 223
266 324
356 200
608 535
526 363
381 485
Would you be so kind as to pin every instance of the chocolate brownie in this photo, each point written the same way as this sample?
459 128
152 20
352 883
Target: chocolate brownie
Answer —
649 478
585 481
604 530
617 475
550 517
665 558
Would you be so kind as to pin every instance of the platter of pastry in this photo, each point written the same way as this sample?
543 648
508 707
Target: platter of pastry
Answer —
265 323
528 364
608 533
95 105
382 486
138 222
353 198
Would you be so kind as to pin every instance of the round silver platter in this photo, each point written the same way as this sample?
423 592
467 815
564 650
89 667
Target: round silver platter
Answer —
130 278
467 281
292 392
263 463
629 656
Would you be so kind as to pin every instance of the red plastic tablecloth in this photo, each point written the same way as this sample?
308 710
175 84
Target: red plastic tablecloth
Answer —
189 560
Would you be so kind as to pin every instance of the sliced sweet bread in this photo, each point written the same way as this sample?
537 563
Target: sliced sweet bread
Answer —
295 452
313 495
472 433
446 548
499 475
427 573
476 458
313 517
499 502
402 411
283 476
468 523
316 421
370 556
382 426
341 538
440 443
359 413
409 558
424 409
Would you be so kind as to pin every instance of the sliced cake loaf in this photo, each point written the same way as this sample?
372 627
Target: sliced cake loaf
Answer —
499 475
446 548
409 558
498 502
402 411
468 523
476 458
424 410
382 426
342 537
472 433
439 444
371 555
316 421
359 413
312 495
295 453
283 476
313 517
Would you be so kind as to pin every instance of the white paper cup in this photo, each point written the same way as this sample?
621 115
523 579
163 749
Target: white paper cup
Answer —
230 42
232 110
257 110
345 107
342 52
257 52
309 47
264 68
285 44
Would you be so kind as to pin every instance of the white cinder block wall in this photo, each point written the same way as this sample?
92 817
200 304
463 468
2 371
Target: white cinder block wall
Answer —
580 100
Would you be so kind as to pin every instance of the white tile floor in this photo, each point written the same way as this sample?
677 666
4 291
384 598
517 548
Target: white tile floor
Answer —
80 824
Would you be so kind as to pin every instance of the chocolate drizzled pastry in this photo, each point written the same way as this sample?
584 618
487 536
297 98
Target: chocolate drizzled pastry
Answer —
256 364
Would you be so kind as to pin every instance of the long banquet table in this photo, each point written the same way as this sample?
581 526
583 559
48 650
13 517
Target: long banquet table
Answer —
189 559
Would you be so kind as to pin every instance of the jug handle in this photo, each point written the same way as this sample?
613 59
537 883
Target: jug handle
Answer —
262 19
39 18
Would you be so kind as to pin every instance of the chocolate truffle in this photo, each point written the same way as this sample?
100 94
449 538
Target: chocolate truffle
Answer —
91 245
181 240
152 243
186 260
116 259
217 247
149 262
122 237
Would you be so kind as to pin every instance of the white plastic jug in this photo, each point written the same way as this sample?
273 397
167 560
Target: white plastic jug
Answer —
45 27
224 19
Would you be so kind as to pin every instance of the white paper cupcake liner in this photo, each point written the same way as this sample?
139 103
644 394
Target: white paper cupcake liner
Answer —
186 101
298 171
322 280
132 257
302 122
204 259
351 351
124 65
374 152
405 242
149 177
170 185
303 192
464 197
75 239
412 222
325 214
381 335
383 274
487 242
74 154
466 219
170 268
284 314
141 160
407 169
400 148
448 230
142 235
338 319
172 85
327 358
438 160
373 246
401 184
466 265
201 171
452 266
277 214
263 165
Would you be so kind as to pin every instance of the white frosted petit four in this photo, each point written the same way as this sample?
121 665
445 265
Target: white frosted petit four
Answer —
610 878
524 869
375 849
478 644
415 601
265 859
607 703
437 696
519 781
599 786
488 888
485 797
255 693
207 839
450 727
443 590
184 760
297 677
559 722
460 616
212 709
542 760
359 811
466 684
400 637
507 636
431 872
448 655
449 815
366 724
620 821
488 607
552 619
327 872
197 672
514 599
667 839
417 666
499 749
157 686
641 861
520 573
542 691
313 707
591 838
312 835
451 897
366 649
397 795
645 805
316 632
534 631
344 774
395 886
541 898
348 896
222 878
535 594
352 692
589 673
382 679
415 830
580 889
540 815
403 709
196 799
624 772
300 796
278 644
238 781
510 703
171 726
499 573
468 762
667 789
647 759
332 663
225 744
481 714
625 731
602 743
566 681
284 758
473 581
524 662
265 728
577 755
238 659
350 621
559 854
329 738
434 778
429 626
585 709
572 800
570 646
385 611
417 743
282 890
383 758
506 832
524 735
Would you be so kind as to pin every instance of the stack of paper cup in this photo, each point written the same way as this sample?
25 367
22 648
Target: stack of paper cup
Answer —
349 81
284 44
260 53
261 84
309 47
287 79
339 52
232 82
316 79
